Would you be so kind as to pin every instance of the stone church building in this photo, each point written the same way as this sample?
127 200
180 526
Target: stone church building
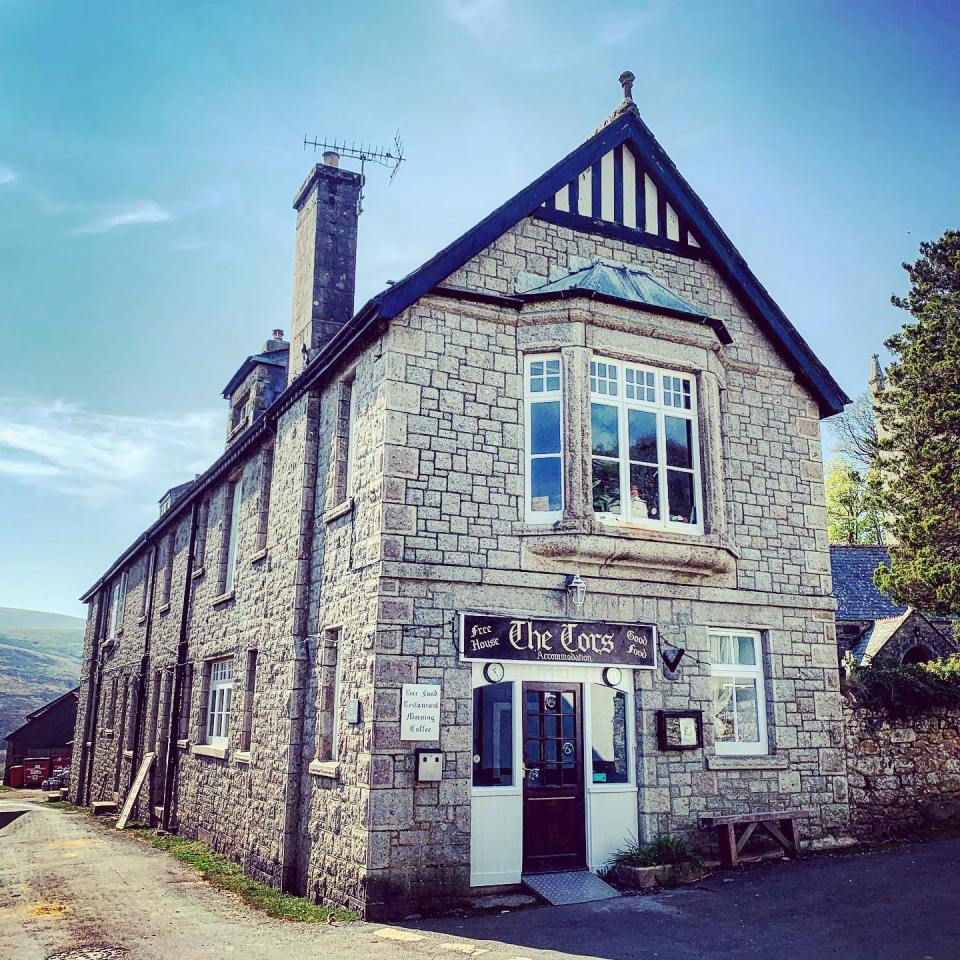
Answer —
525 557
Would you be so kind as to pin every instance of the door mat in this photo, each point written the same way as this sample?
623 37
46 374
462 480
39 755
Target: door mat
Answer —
571 886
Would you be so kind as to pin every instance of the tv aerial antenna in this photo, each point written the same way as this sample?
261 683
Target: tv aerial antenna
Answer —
389 157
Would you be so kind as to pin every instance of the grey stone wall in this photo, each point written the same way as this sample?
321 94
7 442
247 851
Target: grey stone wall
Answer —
435 525
455 539
904 774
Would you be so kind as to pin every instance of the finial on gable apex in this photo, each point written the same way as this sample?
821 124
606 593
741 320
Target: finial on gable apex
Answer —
626 81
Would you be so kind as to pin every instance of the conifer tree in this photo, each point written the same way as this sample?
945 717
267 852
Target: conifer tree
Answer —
919 418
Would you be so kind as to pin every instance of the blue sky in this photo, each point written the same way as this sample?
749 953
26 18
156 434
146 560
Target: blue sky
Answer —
149 155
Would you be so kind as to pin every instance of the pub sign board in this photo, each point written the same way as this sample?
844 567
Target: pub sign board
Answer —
573 642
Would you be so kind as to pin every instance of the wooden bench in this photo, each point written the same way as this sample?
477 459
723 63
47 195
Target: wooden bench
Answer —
780 824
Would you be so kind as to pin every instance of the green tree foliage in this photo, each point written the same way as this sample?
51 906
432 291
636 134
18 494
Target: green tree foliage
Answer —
854 514
906 689
920 436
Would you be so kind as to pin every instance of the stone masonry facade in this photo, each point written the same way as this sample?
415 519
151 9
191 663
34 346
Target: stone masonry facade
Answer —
386 497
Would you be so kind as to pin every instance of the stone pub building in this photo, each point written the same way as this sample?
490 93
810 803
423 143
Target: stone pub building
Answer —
525 557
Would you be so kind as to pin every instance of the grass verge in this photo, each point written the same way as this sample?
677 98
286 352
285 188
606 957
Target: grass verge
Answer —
226 875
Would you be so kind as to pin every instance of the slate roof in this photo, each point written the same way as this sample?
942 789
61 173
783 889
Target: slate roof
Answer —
622 283
275 358
853 587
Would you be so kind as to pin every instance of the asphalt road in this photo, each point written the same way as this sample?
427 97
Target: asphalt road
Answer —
67 884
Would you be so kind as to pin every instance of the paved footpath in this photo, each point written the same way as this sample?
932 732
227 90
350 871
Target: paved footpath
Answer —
67 884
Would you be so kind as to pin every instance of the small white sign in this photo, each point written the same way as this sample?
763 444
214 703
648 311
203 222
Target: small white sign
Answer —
420 711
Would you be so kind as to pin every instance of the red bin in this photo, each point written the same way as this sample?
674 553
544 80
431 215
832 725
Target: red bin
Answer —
16 776
35 771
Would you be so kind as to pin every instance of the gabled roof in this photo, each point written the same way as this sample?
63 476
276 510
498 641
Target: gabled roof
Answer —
275 358
627 127
631 286
857 597
46 708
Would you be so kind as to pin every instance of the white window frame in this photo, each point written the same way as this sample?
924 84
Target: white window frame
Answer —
736 671
219 701
118 602
660 409
529 400
232 534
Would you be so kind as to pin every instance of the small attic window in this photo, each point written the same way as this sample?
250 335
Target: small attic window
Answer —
240 410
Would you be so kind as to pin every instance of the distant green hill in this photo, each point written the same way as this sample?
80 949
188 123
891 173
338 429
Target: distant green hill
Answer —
39 659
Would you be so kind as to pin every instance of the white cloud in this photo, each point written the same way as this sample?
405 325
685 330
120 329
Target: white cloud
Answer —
6 174
99 457
480 18
142 211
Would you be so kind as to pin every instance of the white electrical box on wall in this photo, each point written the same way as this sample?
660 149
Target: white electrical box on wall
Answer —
429 765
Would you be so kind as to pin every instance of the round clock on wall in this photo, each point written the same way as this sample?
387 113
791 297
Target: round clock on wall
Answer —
493 672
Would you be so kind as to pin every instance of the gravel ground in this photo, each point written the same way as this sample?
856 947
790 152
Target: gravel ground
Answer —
70 884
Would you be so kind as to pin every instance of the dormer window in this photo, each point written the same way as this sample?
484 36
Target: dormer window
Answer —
240 411
645 450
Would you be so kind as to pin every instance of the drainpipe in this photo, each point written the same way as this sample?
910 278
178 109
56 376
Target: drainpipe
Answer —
85 774
293 789
142 679
174 718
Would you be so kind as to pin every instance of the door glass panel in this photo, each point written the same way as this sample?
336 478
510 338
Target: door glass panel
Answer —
493 735
608 723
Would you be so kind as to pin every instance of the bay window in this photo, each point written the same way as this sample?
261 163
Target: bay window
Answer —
645 465
736 680
544 438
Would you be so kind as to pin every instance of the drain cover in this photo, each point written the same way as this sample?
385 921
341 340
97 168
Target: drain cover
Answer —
95 951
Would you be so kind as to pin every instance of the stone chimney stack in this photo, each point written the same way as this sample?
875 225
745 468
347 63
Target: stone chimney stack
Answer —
325 258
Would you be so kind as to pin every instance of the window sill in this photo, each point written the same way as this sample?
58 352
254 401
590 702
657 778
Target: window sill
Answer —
198 573
745 761
596 547
258 556
118 633
141 620
242 756
340 510
329 769
210 750
163 608
183 744
222 599
107 731
128 754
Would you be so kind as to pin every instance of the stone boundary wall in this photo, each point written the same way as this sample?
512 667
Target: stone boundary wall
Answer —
904 775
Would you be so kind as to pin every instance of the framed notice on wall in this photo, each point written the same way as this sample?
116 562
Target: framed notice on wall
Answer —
679 729
420 711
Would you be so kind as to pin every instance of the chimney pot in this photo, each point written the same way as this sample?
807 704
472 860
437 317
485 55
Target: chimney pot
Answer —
331 158
277 334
